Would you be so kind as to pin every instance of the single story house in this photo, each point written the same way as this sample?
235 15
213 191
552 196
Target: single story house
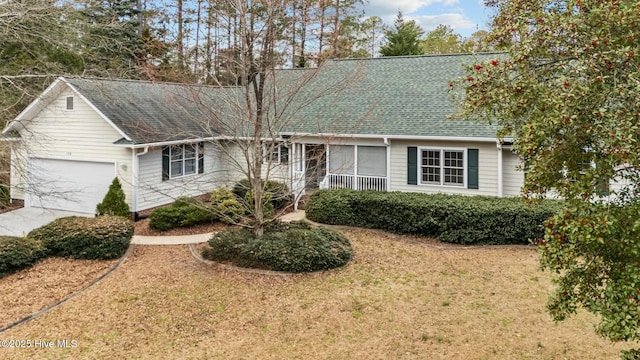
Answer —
380 123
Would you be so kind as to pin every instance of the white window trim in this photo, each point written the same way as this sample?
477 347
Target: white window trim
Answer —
465 164
183 160
268 146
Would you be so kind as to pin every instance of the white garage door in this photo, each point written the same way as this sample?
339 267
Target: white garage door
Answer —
67 184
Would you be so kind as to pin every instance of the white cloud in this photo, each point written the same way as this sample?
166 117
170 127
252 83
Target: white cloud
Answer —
457 21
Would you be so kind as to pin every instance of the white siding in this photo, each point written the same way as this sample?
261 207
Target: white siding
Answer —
513 177
222 166
79 134
153 191
487 167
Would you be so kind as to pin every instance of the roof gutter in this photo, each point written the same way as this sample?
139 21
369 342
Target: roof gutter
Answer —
400 137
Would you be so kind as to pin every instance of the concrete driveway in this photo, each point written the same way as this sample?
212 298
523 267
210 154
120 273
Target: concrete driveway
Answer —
20 221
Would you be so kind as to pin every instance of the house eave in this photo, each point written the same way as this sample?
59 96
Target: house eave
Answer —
400 137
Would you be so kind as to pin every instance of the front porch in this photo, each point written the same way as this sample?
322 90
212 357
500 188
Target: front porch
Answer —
358 167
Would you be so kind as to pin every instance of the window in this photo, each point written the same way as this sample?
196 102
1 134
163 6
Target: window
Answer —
442 167
276 152
341 159
372 161
69 103
182 160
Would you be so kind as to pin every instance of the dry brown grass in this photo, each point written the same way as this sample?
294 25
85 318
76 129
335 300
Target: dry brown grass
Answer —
397 300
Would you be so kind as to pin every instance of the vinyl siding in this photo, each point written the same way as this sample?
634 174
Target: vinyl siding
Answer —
79 134
153 191
513 178
487 163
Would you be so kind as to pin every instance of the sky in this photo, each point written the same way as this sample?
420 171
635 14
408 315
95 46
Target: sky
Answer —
464 16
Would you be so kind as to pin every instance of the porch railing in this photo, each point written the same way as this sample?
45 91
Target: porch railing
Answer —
355 182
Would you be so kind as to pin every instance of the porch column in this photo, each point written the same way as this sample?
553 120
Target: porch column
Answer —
387 142
500 169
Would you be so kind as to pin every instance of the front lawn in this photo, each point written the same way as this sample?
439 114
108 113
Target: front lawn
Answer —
399 298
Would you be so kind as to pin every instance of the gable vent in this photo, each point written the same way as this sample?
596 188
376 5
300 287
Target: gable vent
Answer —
69 102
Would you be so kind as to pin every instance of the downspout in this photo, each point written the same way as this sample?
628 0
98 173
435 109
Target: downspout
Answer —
500 169
134 179
387 142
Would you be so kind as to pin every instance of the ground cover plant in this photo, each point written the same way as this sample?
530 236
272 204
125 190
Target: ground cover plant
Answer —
399 298
291 247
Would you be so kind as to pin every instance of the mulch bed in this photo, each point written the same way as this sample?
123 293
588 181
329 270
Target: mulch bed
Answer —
142 228
44 284
15 204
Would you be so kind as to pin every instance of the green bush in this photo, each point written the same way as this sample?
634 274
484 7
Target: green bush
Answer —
226 206
181 213
291 247
104 237
5 197
114 202
451 218
279 192
17 253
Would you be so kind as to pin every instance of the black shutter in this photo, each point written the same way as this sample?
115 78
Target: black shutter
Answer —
200 157
412 165
165 163
472 169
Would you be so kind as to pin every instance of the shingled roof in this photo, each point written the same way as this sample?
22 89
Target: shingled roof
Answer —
388 96
150 112
394 96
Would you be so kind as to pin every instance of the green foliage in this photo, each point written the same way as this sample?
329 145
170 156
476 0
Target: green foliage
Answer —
114 203
451 218
104 237
291 247
181 213
442 40
17 253
5 197
277 191
404 40
566 90
226 206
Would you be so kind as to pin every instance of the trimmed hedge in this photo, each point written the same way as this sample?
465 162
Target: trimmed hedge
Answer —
291 247
17 253
104 237
181 213
451 218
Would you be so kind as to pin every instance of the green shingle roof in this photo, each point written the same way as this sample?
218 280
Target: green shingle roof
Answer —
406 96
150 112
393 96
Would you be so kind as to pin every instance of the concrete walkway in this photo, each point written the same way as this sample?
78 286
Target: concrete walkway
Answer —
198 238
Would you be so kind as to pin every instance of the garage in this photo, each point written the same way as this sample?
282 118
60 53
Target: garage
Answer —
67 184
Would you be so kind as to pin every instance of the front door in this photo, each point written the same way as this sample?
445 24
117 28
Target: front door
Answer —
315 165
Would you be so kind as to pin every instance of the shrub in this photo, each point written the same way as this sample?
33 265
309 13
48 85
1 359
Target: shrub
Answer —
114 203
17 253
5 197
226 206
181 213
291 247
104 237
451 218
280 195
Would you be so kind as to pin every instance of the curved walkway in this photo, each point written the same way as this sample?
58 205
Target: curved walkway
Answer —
198 238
